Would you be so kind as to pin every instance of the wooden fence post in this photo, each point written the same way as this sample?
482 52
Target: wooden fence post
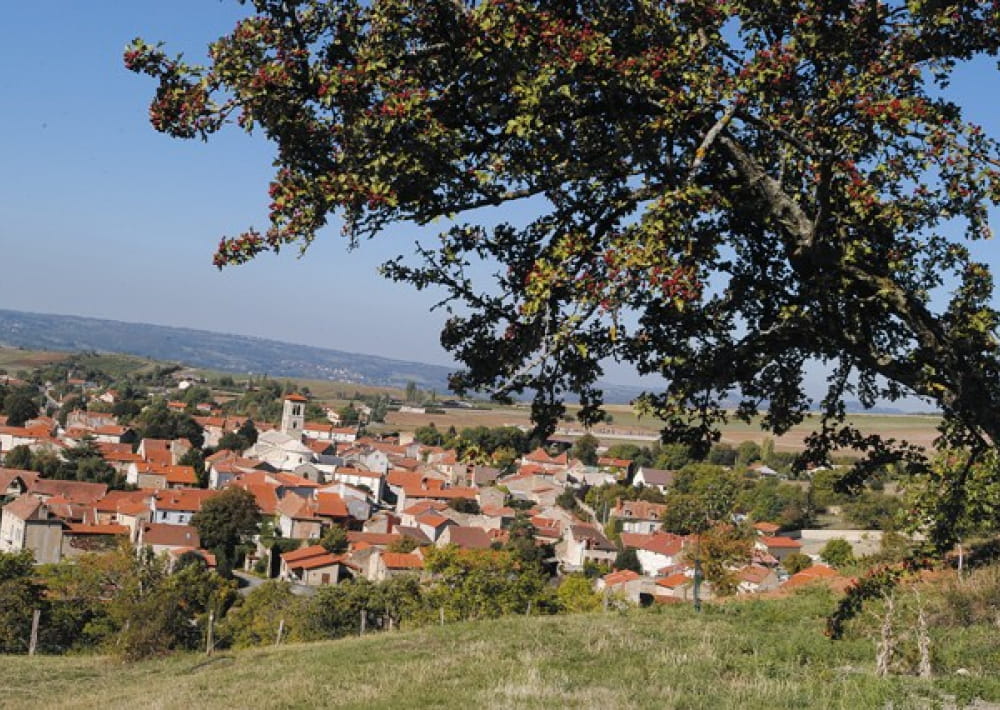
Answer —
33 644
209 635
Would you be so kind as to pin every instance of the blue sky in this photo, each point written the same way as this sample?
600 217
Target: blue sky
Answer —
102 216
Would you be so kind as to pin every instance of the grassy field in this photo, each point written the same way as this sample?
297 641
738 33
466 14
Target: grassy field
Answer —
766 654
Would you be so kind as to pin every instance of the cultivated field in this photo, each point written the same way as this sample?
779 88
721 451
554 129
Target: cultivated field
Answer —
626 426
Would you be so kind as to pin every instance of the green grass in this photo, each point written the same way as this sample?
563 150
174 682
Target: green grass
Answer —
767 654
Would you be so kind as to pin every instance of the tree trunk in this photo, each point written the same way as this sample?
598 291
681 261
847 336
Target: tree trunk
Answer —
923 641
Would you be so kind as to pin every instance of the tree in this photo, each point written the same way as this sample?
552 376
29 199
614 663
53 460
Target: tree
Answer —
195 458
334 539
232 441
255 621
248 431
747 452
721 550
673 457
702 495
576 594
472 584
19 407
464 505
19 596
226 520
628 559
684 157
796 562
19 457
872 510
585 449
837 553
428 435
722 455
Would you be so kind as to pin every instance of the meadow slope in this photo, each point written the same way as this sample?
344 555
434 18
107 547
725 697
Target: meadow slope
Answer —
768 654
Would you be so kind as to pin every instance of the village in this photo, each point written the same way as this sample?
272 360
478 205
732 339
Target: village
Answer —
394 497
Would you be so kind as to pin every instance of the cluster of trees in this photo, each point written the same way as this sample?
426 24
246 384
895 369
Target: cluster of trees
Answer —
83 462
19 403
499 446
118 602
675 456
127 603
157 421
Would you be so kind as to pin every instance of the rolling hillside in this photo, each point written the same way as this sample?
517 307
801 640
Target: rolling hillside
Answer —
768 655
228 353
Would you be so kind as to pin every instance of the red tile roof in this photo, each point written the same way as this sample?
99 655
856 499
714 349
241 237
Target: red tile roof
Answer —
402 560
620 577
183 499
809 575
304 553
678 579
107 529
781 542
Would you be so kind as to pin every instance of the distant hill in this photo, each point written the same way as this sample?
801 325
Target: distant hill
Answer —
226 352
215 351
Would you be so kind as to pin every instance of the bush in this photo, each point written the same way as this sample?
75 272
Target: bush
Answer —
837 553
796 562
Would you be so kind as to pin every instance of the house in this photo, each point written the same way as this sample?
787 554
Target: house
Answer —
393 564
374 481
26 524
655 551
15 482
166 452
89 420
639 516
767 529
345 435
122 507
584 543
75 491
314 566
778 546
677 585
484 476
281 450
297 519
359 540
154 476
410 494
626 584
177 507
432 523
318 430
660 479
755 578
163 538
468 538
80 538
